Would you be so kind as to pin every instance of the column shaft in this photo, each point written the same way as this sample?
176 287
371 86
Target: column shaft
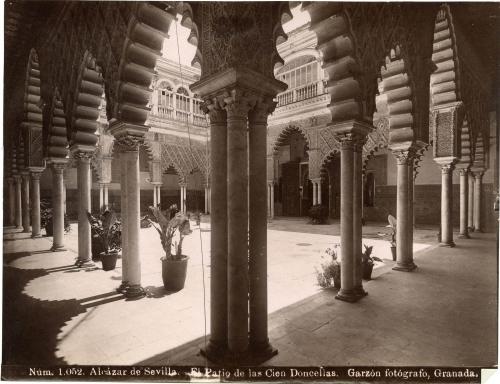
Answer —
158 194
272 200
26 202
464 203
319 192
404 261
477 201
218 233
237 191
470 213
35 207
446 205
315 193
131 158
106 196
258 235
347 291
12 202
19 208
101 197
84 206
124 209
357 224
57 207
410 209
155 200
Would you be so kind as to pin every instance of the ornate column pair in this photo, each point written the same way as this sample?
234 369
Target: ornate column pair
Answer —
404 211
35 200
183 197
156 194
238 102
447 167
352 135
58 202
316 191
464 201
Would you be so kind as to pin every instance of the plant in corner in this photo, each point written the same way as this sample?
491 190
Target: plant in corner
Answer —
392 224
330 269
174 263
367 262
106 235
318 214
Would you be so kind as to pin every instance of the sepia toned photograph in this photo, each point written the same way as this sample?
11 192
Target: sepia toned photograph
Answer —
250 191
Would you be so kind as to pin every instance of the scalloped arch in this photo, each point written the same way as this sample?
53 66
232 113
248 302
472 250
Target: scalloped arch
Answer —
285 133
57 133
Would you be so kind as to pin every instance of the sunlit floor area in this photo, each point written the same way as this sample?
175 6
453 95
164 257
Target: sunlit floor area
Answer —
444 313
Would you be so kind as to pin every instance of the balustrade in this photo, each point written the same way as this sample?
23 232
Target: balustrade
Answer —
304 92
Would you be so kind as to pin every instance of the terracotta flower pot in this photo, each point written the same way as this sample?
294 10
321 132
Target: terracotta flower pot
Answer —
173 273
393 251
367 271
108 260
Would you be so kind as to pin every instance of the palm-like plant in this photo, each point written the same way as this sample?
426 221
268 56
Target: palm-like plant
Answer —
107 228
167 229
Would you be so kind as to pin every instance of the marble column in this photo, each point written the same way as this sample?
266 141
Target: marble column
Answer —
470 213
237 216
272 201
218 234
124 209
318 191
64 197
446 205
464 203
11 204
106 195
58 205
130 155
404 224
19 207
347 292
101 196
84 205
357 232
26 201
411 221
35 203
207 198
258 334
158 194
155 199
315 193
478 176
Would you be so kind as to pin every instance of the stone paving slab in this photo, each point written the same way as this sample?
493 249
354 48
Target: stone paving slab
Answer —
306 324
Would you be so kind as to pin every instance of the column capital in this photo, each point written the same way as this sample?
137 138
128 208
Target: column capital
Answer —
215 110
129 143
58 167
316 180
16 178
445 161
262 109
36 171
463 171
404 157
238 102
477 174
447 168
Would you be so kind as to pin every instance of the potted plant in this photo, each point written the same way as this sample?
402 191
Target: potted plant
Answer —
46 220
330 269
367 262
106 235
392 224
318 214
174 263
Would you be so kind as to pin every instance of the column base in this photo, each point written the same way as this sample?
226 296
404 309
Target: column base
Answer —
134 292
464 236
123 287
26 230
404 267
58 248
19 227
36 236
84 263
255 355
450 245
350 296
478 230
360 292
470 229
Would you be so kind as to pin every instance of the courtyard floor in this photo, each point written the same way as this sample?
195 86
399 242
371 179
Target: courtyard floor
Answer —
444 313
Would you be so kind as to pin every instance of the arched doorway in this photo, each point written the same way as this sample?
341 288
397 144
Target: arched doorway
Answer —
294 196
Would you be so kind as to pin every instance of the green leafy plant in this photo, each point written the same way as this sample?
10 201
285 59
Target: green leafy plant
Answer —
318 214
106 230
167 229
330 268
